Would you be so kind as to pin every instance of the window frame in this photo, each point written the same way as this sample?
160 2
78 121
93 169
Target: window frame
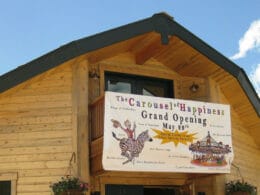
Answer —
137 81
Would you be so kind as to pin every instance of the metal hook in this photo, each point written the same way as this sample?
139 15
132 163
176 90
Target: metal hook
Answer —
73 157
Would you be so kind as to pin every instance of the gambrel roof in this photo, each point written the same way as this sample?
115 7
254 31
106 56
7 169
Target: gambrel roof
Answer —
193 54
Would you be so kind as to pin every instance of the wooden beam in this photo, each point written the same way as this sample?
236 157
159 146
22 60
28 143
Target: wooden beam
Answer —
110 51
80 133
147 48
143 181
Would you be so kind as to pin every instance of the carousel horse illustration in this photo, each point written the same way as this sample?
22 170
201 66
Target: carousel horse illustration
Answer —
131 147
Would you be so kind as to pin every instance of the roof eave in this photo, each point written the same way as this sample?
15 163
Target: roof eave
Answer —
223 62
160 23
72 50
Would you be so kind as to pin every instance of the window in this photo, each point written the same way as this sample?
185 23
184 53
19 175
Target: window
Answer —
8 183
141 190
5 187
149 86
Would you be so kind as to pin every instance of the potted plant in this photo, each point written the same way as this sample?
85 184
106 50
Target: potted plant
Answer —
239 188
69 185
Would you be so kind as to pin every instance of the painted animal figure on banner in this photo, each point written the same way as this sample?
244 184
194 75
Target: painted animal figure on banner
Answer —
130 132
131 148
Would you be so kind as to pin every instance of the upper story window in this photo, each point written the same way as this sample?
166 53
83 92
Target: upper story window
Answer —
126 83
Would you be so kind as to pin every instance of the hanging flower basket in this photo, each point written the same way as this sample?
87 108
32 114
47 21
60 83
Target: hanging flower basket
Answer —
240 188
69 186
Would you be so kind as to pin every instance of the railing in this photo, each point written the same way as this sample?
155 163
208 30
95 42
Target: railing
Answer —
97 118
96 134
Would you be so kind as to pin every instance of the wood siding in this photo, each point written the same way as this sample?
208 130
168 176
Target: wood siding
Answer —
246 151
36 131
247 154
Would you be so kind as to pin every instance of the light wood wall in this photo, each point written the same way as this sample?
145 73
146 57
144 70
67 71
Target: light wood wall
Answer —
246 152
247 155
36 130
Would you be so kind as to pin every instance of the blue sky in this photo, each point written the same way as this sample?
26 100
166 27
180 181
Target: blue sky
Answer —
31 28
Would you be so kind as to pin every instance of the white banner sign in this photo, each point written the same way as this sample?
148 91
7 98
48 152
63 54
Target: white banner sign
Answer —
144 133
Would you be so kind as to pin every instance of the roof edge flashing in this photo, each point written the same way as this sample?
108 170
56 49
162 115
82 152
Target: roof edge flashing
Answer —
161 23
164 15
249 90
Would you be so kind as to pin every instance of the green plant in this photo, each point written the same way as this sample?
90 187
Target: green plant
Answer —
68 183
238 186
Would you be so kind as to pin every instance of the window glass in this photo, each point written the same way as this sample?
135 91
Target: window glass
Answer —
5 187
117 86
153 90
126 83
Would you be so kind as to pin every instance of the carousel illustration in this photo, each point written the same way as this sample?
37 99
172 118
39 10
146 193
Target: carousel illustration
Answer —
209 152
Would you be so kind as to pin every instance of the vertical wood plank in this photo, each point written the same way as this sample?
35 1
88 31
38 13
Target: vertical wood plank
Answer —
13 187
80 118
219 184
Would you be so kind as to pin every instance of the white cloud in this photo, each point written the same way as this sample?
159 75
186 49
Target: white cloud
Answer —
250 40
255 78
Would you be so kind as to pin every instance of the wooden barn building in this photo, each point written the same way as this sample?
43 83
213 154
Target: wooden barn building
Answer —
52 109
